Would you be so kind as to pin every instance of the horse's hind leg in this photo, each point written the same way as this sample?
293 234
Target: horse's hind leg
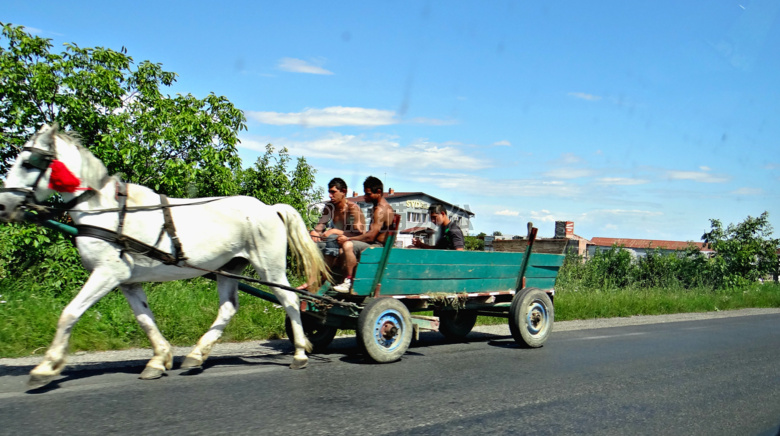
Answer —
228 305
163 356
99 284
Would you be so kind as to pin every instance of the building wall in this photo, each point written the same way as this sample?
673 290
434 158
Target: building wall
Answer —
414 213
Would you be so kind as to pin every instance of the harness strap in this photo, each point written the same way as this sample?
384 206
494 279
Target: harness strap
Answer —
170 229
121 198
127 243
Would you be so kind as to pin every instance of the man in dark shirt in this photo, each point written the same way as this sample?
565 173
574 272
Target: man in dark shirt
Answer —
451 235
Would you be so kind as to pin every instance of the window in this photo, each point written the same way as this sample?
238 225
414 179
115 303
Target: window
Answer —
414 217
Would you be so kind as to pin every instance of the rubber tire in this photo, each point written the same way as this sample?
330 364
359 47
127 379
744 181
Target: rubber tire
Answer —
376 315
319 335
456 324
531 317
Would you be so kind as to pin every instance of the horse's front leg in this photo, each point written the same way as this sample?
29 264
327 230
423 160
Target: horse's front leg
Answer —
228 305
100 283
163 356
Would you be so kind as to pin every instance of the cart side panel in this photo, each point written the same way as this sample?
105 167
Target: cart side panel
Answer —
414 272
542 270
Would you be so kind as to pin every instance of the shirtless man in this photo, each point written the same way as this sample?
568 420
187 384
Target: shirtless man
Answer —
343 215
381 220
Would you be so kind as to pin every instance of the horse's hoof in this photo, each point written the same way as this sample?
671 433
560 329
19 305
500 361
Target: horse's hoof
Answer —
299 363
191 363
150 373
37 381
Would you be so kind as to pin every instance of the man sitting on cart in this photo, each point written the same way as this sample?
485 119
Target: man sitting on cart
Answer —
451 235
381 220
339 217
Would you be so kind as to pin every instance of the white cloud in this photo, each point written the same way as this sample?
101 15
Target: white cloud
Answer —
622 181
503 143
336 116
384 151
328 117
568 159
300 66
33 30
570 173
584 96
697 176
507 212
544 216
748 191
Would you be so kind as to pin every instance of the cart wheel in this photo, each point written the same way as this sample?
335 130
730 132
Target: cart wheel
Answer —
456 324
319 335
531 317
384 330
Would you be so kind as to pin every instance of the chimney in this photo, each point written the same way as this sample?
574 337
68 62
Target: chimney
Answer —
391 191
354 193
564 229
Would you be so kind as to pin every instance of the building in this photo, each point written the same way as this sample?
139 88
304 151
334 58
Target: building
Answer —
640 247
415 219
564 241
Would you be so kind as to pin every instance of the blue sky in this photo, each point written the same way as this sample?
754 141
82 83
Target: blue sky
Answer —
632 119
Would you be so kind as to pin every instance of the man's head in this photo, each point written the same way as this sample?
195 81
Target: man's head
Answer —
373 189
337 189
439 214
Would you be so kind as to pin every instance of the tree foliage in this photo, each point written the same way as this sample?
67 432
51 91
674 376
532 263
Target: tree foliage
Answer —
178 145
272 180
745 251
474 243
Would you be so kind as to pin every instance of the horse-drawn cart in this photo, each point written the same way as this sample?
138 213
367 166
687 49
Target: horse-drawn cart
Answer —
391 284
127 234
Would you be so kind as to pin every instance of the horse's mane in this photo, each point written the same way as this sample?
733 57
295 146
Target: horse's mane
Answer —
92 169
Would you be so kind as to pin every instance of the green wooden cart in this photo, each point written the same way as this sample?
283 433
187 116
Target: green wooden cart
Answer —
393 285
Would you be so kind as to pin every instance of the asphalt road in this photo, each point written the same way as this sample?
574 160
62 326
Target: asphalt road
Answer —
680 375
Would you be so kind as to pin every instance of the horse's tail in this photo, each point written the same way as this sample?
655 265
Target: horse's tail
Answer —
307 256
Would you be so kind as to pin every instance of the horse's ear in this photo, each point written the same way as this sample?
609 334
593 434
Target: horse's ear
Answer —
47 134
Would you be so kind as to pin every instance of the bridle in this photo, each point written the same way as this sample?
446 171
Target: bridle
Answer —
41 160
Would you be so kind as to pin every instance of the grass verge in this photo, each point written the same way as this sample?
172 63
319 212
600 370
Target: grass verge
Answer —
185 309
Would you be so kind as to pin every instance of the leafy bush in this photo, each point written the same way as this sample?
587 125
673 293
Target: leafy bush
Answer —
744 253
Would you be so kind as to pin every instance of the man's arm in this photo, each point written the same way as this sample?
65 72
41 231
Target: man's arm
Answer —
321 225
358 220
457 238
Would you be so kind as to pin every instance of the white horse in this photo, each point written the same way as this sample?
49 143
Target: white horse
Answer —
223 233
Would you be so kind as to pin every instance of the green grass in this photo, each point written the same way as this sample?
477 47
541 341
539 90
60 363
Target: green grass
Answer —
574 304
185 310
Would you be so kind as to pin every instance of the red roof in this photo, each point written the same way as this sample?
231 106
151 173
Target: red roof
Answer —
647 243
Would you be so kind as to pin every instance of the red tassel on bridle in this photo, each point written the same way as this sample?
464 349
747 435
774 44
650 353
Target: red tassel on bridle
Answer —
61 179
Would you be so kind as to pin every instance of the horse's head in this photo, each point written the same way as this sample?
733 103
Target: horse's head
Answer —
40 170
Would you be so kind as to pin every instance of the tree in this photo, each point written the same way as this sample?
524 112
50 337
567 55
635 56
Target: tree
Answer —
745 252
272 181
177 145
497 233
474 243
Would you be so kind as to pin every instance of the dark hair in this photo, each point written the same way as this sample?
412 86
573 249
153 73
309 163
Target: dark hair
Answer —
373 184
437 208
338 183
